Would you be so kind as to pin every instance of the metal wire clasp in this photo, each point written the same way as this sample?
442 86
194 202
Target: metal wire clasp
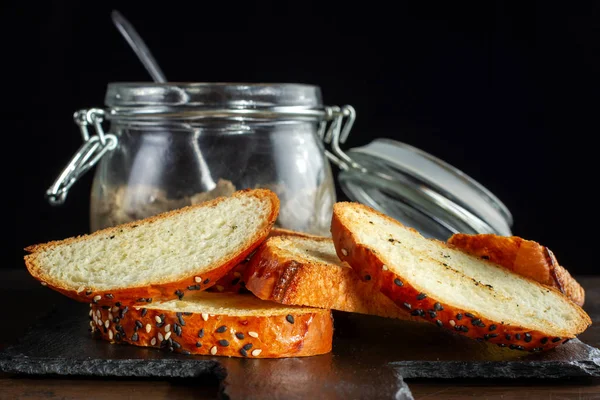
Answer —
337 132
93 148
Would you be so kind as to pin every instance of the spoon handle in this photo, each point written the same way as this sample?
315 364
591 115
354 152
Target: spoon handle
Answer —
138 45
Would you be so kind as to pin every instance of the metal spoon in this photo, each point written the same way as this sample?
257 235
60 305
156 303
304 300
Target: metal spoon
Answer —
138 45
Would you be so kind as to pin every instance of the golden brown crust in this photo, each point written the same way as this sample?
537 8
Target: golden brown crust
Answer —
461 321
160 290
524 257
272 274
286 335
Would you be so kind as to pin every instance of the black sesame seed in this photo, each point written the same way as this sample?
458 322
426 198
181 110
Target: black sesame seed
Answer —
187 314
179 294
421 296
464 328
556 339
513 347
501 345
459 316
439 323
116 320
493 327
138 324
185 352
144 312
141 300
223 343
527 337
160 324
244 352
120 329
105 329
117 336
486 336
106 307
418 312
194 287
475 321
485 257
367 277
536 349
206 281
493 335
566 340
407 306
247 346
235 281
432 313
290 318
518 336
508 336
118 304
135 337
176 345
177 329
469 315
198 344
171 349
239 335
201 333
149 300
109 296
162 317
88 292
520 348
544 340
398 282
438 307
180 318
221 329
124 311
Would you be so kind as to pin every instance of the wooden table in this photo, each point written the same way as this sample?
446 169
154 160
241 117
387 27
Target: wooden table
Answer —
19 293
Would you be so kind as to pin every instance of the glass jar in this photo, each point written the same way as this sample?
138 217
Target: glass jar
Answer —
176 144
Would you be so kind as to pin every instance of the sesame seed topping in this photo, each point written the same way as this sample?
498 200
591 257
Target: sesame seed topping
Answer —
556 339
135 337
176 344
527 337
544 340
80 289
493 335
344 252
459 316
439 323
237 274
384 267
160 337
518 336
438 307
198 344
179 294
106 324
194 287
256 352
421 296
398 282
118 304
43 283
115 309
168 328
117 336
98 314
244 352
253 334
206 281
220 288
501 345
96 298
91 312
110 335
452 323
407 305
138 324
536 349
180 319
493 327
418 312
239 335
144 312
168 335
177 329
367 277
201 333
186 353
221 329
432 313
508 336
464 328
213 350
247 346
197 279
223 343
486 336
290 318
235 281
205 316
109 296
157 319
469 315
153 341
148 328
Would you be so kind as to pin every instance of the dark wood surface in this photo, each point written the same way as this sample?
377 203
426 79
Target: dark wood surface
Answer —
26 301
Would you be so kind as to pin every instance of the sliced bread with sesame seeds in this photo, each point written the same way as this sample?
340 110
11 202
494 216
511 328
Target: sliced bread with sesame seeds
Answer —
525 257
161 257
218 324
451 288
306 271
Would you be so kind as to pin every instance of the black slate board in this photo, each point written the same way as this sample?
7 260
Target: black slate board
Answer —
371 356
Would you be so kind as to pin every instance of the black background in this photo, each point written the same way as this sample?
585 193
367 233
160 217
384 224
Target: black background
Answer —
505 91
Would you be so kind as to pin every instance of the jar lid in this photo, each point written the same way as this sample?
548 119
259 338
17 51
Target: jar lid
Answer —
421 191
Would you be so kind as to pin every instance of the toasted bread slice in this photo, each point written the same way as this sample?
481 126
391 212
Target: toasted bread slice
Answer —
218 324
307 271
525 257
451 288
161 257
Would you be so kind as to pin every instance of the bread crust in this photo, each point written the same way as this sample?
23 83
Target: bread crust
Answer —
524 257
455 319
272 274
310 333
164 290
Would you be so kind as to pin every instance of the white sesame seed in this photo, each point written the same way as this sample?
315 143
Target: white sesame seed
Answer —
451 322
205 316
167 327
43 283
99 322
153 341
160 337
148 328
168 335
115 309
80 289
110 316
197 279
253 334
384 267
91 305
344 252
107 324
98 314
237 274
92 324
157 319
97 297
213 350
110 335
220 288
256 352
91 312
